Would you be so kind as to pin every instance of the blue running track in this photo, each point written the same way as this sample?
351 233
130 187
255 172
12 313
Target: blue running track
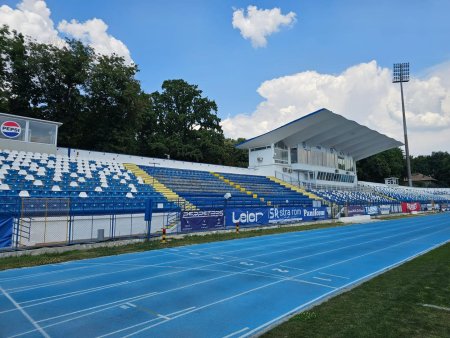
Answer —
222 289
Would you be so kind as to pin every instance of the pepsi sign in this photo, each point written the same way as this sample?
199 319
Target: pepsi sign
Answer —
10 129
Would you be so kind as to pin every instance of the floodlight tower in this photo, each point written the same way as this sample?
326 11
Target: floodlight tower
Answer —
401 74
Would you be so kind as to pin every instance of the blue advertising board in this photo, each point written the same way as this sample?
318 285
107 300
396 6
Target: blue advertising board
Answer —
372 210
202 220
354 210
268 215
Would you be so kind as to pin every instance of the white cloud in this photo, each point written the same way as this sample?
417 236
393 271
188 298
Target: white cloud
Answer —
33 18
94 33
364 93
258 24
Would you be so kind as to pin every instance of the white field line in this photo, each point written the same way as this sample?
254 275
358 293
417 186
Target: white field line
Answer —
328 294
246 270
331 275
146 322
15 290
250 247
26 315
236 332
231 297
270 284
436 307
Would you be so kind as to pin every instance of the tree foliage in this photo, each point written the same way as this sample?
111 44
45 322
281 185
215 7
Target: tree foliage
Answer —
103 107
391 163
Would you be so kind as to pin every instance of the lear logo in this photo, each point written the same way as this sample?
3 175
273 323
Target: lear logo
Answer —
10 129
247 217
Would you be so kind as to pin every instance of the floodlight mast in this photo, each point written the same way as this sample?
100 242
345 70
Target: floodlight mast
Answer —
401 74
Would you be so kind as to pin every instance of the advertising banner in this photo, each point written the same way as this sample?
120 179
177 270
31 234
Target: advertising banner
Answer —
202 220
312 214
408 207
270 215
372 210
354 210
385 209
247 216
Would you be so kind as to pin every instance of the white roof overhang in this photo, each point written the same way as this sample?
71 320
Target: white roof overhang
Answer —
330 130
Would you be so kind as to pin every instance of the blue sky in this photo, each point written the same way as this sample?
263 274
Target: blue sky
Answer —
195 40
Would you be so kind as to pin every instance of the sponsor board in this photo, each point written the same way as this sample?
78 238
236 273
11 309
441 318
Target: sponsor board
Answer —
354 210
10 129
261 216
202 220
385 209
247 216
408 206
372 210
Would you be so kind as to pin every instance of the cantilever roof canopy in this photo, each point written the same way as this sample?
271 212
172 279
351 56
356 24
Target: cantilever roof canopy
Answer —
327 129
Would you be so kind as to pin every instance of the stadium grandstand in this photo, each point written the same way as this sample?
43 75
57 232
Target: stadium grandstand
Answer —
297 172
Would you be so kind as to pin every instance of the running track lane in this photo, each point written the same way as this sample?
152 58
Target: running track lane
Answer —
222 289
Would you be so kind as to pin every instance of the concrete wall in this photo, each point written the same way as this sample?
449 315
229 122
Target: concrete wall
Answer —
27 146
151 161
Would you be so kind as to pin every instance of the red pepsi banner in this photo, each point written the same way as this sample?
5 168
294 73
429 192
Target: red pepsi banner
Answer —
202 220
410 206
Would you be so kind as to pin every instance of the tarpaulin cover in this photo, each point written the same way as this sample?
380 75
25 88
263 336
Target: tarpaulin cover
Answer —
6 226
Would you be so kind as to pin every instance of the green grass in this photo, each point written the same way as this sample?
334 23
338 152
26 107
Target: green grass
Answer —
51 258
386 306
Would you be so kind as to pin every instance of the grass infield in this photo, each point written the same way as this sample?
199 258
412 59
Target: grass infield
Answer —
394 304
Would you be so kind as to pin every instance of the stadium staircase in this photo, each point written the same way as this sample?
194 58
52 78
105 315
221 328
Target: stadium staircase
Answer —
239 187
297 189
168 193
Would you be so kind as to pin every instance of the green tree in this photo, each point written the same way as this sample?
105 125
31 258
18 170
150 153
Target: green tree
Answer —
115 105
233 156
376 168
60 75
182 124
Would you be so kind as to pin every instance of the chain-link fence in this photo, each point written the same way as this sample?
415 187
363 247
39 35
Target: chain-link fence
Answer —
55 221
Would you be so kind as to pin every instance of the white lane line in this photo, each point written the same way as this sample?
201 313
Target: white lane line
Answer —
50 299
276 282
436 307
75 293
27 316
309 282
102 307
248 270
163 317
359 228
155 265
290 267
325 279
329 274
344 287
236 332
146 322
37 286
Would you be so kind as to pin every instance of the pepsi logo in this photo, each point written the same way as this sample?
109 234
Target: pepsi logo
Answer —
10 129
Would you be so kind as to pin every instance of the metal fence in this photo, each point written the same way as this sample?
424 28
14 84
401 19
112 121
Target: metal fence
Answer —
39 222
42 222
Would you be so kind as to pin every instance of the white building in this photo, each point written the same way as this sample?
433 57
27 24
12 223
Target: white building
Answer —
319 148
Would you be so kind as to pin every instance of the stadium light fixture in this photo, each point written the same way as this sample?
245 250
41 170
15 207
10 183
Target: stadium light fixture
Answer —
401 74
